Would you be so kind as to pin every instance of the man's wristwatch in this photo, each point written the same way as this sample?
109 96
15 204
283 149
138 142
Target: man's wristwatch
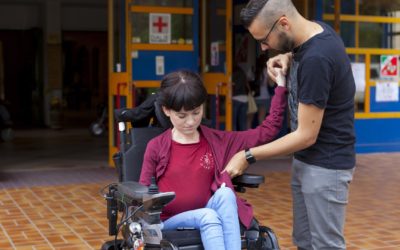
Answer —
249 157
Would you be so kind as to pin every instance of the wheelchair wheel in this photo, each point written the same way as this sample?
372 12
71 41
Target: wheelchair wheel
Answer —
109 245
97 129
267 239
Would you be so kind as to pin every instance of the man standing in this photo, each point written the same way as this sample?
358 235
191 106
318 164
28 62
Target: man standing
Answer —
321 104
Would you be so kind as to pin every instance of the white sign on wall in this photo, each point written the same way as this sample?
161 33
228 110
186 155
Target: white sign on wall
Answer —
387 91
359 76
214 54
160 65
160 28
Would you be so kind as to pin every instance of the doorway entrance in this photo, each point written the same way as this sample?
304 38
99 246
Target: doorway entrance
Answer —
21 85
84 77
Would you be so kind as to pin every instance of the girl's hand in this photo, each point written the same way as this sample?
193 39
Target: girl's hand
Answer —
280 78
282 62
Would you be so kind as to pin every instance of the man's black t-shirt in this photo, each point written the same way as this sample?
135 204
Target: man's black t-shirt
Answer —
321 75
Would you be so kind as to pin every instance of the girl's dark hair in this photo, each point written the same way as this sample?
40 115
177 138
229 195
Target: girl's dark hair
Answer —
182 89
250 12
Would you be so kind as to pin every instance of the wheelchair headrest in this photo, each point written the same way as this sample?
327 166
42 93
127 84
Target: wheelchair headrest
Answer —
148 111
142 115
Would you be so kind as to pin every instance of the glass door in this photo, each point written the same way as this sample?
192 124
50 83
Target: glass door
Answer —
118 68
216 58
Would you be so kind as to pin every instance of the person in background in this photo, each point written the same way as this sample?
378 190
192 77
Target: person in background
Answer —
261 88
240 89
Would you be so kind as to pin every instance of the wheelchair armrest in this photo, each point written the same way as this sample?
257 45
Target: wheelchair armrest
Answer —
132 190
247 180
155 202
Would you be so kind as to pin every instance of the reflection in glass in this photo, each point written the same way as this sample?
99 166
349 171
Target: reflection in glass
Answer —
140 27
181 29
378 8
358 69
346 7
347 31
372 35
215 45
118 64
375 67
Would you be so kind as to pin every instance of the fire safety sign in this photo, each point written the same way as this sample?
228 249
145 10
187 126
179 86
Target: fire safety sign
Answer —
160 28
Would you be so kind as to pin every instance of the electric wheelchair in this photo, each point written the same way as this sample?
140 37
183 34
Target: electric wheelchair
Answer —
140 206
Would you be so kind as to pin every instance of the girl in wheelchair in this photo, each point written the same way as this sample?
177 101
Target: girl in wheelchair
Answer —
189 158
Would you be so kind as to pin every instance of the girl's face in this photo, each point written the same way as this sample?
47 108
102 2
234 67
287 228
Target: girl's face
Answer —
185 122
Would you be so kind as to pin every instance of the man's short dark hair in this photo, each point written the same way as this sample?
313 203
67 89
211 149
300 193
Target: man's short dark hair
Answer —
250 12
182 89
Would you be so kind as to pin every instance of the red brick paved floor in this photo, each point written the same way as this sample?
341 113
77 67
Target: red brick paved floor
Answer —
56 203
373 214
72 216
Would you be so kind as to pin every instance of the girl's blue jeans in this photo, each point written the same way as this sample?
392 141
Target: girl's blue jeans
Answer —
218 222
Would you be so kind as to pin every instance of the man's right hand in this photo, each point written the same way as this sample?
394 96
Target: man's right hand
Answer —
236 165
281 61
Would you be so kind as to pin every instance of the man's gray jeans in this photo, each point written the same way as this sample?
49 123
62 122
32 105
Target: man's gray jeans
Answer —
320 196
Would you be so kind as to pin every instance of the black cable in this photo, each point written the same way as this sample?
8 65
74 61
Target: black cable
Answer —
101 191
118 226
104 195
134 212
122 222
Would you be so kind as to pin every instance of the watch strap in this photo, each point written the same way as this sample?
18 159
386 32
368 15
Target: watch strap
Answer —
249 157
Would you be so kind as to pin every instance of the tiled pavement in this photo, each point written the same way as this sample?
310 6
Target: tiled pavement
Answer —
61 208
373 213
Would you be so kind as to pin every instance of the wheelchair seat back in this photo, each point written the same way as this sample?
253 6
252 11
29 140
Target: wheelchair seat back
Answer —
135 148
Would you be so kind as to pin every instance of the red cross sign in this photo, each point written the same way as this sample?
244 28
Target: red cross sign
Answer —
159 24
160 28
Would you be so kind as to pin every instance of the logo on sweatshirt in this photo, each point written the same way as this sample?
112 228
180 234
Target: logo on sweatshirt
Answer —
207 161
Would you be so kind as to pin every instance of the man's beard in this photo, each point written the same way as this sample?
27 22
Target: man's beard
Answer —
286 44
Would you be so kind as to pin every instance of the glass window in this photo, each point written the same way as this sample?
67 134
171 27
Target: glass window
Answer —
215 46
365 7
378 8
371 35
140 27
118 51
358 65
394 35
346 7
358 68
347 31
181 28
375 67
165 3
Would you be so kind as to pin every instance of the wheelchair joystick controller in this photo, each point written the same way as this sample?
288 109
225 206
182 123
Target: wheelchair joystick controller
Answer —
153 188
